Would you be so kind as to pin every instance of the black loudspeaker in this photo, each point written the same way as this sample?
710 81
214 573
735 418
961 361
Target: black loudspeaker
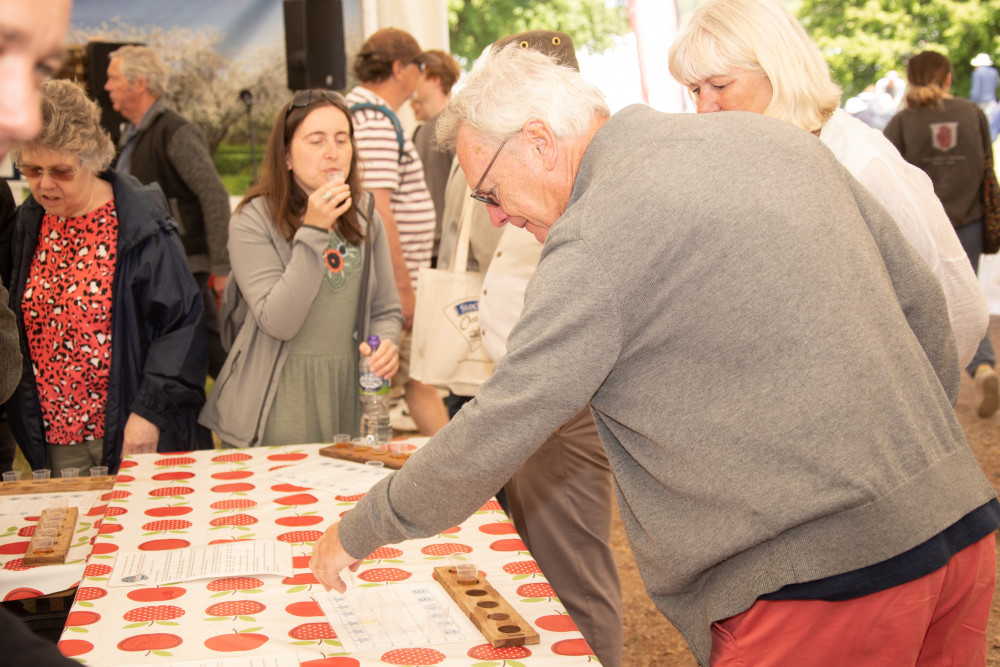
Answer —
314 44
95 76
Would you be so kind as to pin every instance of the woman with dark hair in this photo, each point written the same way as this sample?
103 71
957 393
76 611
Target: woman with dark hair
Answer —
311 261
948 137
110 318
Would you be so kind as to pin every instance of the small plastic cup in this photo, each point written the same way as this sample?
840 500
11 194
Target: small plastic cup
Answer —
69 473
342 441
399 450
368 608
48 527
374 465
360 444
12 476
46 532
57 505
380 447
99 471
52 515
41 475
43 545
466 573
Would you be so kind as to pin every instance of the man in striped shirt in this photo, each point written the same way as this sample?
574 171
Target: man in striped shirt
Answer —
388 67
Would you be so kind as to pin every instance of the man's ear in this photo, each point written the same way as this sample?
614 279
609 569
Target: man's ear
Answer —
397 68
542 141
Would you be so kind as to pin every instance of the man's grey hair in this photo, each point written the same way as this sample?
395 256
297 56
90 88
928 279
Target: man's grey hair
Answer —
143 62
509 87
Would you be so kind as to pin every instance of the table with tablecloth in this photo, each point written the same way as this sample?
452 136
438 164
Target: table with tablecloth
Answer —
194 499
18 581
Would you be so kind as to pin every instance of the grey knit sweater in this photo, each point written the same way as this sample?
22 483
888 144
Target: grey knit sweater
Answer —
769 363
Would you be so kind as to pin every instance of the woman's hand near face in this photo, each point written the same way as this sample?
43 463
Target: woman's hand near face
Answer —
385 360
327 204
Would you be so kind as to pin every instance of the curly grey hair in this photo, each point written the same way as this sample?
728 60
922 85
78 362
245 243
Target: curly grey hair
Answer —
71 123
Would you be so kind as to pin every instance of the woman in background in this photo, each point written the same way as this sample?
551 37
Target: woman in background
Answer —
753 55
311 261
109 316
948 138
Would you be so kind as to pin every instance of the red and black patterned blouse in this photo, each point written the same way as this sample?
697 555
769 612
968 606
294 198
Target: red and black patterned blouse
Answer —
67 317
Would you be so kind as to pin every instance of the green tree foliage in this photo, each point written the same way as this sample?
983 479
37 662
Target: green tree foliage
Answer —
475 24
862 40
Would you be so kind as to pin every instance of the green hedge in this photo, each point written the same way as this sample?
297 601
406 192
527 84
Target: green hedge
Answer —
235 166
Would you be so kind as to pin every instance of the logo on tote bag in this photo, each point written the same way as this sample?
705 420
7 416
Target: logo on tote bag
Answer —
464 316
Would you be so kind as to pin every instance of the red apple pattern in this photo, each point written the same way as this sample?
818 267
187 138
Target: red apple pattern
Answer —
171 507
233 457
74 647
312 633
536 591
413 656
243 640
234 504
165 525
159 594
301 536
154 641
232 585
306 609
522 569
384 574
445 549
150 614
572 647
235 609
233 520
487 652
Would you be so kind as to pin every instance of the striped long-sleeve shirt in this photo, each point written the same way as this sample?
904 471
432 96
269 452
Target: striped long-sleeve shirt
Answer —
383 168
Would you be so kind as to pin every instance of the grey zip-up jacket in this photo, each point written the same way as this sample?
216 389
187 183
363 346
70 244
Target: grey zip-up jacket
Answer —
769 363
279 282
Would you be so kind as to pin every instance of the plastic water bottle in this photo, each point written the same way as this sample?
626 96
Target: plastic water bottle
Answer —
376 427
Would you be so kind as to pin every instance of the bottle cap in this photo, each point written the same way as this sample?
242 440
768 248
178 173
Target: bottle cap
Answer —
374 341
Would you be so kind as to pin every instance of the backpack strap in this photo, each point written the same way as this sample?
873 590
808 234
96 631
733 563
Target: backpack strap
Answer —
391 116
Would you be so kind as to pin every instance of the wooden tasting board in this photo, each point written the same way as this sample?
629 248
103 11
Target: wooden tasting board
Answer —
500 624
348 454
61 546
30 486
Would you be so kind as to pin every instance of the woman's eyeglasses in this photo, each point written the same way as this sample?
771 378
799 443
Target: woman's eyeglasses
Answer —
60 173
306 98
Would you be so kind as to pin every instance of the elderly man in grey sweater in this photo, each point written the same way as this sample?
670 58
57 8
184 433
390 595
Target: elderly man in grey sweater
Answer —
770 366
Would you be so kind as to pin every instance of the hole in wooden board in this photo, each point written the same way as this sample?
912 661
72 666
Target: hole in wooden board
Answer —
488 604
475 592
509 629
498 617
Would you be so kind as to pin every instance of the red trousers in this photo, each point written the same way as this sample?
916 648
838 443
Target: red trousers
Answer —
939 619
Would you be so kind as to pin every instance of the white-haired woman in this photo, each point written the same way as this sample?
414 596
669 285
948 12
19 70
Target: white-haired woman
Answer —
753 55
109 316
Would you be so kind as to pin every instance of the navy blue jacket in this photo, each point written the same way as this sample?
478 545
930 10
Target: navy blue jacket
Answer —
159 354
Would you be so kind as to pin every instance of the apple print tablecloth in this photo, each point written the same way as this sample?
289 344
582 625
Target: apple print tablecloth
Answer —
173 501
18 581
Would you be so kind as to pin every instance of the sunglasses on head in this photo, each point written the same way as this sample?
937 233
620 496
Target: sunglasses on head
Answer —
306 98
60 173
